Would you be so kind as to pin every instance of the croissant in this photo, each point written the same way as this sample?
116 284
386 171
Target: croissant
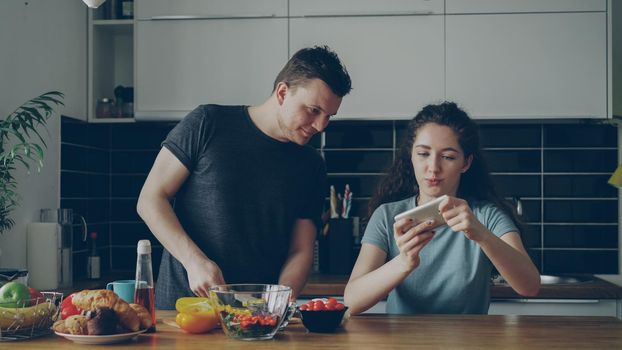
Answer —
143 315
103 298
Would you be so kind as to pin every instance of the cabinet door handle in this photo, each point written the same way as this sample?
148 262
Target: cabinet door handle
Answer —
194 17
369 14
547 301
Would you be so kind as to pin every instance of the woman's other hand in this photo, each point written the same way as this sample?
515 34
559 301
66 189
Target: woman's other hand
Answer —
410 239
460 218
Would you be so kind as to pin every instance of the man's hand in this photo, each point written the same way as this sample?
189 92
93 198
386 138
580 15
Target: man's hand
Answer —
202 275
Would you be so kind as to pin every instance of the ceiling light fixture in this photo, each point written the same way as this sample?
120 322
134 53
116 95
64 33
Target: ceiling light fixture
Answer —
93 3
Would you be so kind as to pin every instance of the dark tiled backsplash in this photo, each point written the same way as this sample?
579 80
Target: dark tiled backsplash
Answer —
356 162
360 135
558 170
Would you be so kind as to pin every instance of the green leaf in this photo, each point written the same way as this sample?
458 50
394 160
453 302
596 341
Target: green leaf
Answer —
17 134
39 151
21 143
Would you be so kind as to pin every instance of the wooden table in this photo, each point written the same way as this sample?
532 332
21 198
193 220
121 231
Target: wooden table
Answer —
390 332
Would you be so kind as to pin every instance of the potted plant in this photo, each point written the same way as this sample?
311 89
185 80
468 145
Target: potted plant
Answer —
21 144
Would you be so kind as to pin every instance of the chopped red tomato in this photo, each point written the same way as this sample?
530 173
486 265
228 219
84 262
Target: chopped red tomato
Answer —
67 308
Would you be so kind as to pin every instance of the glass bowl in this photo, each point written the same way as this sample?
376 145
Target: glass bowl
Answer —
325 321
251 311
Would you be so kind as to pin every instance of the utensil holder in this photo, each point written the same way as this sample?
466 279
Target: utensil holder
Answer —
336 248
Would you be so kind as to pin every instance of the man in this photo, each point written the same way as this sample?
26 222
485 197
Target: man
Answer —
248 193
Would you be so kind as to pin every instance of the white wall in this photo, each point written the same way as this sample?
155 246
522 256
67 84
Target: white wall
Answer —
42 48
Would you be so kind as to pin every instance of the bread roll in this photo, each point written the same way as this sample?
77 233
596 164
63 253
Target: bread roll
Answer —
76 324
59 326
127 316
143 315
103 298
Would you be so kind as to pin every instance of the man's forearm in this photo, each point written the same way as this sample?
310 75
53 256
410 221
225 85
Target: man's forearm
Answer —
160 217
296 271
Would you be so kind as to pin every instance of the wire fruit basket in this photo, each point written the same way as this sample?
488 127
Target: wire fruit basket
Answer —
32 320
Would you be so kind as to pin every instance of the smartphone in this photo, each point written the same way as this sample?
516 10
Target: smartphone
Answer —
425 212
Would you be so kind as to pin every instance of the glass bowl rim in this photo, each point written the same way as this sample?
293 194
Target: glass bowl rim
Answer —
280 288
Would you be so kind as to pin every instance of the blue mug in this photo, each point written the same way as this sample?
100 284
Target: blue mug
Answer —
123 288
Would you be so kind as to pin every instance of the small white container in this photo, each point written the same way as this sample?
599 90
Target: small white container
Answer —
93 269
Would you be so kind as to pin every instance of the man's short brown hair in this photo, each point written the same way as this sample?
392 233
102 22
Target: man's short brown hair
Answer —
318 62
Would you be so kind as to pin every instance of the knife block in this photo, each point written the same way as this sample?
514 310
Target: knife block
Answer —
335 248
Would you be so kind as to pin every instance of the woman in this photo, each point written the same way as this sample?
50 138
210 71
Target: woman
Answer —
446 269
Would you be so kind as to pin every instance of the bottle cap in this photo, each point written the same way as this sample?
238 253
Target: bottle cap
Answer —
144 246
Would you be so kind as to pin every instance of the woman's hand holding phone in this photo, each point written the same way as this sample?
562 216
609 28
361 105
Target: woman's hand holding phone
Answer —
410 238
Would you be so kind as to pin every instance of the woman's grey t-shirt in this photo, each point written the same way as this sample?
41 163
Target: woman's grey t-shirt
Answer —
454 274
242 198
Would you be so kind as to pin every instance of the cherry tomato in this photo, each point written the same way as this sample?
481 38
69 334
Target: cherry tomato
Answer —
303 307
339 306
331 301
247 322
319 307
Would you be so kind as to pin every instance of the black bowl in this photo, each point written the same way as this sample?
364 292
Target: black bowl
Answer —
324 321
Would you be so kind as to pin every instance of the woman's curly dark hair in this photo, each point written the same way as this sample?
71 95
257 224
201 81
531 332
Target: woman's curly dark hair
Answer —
475 184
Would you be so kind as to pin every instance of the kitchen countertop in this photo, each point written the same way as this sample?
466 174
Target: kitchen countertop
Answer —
334 285
319 285
390 331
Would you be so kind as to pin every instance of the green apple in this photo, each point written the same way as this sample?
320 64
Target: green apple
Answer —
14 294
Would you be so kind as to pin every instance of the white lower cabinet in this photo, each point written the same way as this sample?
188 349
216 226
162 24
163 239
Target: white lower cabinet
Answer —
558 307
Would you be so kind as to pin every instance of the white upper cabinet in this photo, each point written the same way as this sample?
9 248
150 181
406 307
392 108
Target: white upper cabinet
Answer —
532 65
364 7
532 59
154 9
192 52
395 62
183 63
516 6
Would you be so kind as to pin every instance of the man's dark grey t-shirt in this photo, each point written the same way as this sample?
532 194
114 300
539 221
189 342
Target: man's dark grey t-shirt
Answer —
242 197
